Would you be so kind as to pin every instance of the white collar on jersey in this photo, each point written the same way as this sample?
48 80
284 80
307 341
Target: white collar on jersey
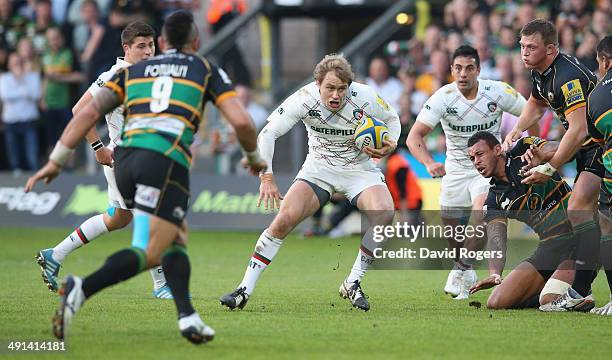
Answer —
121 62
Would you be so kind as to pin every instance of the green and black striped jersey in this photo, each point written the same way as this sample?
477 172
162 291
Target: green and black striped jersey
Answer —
164 99
543 207
599 116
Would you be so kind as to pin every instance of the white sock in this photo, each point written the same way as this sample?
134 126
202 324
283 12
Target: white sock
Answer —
265 250
88 231
159 280
362 262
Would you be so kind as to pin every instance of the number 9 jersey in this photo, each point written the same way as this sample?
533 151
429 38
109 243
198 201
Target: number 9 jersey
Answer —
164 98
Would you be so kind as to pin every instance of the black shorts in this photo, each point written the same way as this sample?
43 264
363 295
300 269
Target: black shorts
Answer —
550 253
605 201
590 158
153 183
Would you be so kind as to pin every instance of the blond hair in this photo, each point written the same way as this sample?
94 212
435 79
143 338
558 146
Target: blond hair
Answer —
336 63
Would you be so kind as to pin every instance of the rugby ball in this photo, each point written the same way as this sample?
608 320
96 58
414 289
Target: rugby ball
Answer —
370 132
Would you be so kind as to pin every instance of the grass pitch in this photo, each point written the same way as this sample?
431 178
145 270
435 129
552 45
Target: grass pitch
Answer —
295 311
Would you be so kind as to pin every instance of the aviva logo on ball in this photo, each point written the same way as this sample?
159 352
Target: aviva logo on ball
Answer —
370 132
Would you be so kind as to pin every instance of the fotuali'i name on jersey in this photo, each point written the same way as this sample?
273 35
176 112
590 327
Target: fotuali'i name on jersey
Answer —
599 117
331 133
564 86
461 118
164 98
543 207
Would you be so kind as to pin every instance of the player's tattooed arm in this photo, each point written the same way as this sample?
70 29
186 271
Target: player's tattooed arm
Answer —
497 233
106 101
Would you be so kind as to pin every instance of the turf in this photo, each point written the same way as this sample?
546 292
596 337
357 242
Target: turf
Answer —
295 311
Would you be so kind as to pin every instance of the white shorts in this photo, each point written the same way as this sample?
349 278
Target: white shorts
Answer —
460 190
346 181
114 196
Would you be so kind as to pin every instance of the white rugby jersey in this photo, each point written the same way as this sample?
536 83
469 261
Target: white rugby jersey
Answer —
114 119
461 118
330 133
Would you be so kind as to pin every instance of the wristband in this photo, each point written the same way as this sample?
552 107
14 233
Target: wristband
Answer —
545 169
60 154
496 277
252 156
97 145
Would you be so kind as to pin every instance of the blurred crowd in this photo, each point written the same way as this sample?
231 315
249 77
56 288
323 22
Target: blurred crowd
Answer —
50 51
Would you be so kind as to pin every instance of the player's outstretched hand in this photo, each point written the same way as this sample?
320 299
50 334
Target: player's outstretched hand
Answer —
105 156
255 168
436 169
46 173
268 193
486 283
512 136
387 148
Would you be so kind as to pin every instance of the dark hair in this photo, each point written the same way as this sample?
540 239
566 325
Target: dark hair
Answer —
545 28
466 51
178 29
134 30
483 135
604 48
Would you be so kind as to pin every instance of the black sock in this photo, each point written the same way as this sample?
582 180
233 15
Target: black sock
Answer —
606 257
118 267
587 237
532 302
177 270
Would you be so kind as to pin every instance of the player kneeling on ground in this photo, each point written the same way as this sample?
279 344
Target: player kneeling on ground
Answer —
549 271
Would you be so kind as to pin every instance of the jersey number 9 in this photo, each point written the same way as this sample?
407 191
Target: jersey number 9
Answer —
160 92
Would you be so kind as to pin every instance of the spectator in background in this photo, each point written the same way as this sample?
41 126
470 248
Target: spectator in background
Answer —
576 13
59 72
20 93
503 67
496 23
386 86
507 41
438 74
123 12
586 52
12 25
453 41
525 13
479 28
487 64
43 20
219 14
432 39
258 113
27 54
101 51
567 42
601 23
59 11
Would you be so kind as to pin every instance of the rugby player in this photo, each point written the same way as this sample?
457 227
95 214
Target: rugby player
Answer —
331 108
541 206
563 84
164 98
599 114
138 44
463 107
